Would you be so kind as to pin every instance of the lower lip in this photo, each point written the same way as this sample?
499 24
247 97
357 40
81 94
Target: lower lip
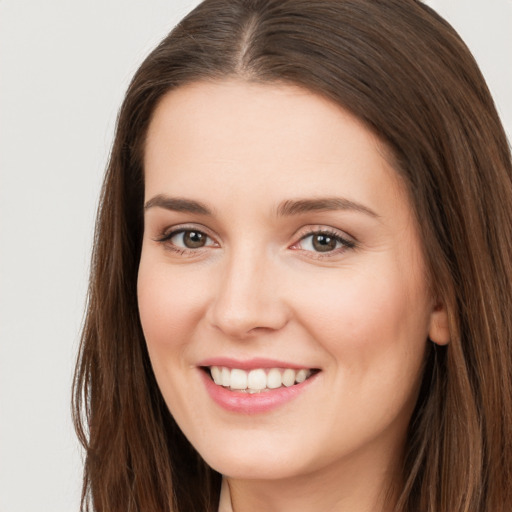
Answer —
253 403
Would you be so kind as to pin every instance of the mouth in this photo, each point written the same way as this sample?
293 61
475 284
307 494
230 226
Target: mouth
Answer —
258 380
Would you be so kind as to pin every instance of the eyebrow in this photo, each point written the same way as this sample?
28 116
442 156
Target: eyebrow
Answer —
287 208
177 204
300 206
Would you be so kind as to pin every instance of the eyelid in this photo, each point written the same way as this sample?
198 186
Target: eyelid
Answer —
347 241
323 228
172 231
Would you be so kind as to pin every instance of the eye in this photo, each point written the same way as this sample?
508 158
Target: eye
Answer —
189 239
323 242
186 239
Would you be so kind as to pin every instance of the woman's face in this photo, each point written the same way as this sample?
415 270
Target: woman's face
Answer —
279 245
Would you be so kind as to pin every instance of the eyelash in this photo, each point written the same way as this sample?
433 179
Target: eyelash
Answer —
344 243
184 251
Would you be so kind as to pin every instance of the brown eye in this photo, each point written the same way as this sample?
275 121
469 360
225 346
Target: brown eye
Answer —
323 242
194 239
187 239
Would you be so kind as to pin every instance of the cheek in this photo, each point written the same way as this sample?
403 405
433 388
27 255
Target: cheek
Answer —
169 306
362 316
374 328
170 310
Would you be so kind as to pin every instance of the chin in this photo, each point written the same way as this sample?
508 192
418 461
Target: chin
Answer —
252 470
255 462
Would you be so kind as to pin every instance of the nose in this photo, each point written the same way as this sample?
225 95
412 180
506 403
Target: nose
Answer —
247 300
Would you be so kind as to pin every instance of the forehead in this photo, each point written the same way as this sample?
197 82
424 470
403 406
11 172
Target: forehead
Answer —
240 138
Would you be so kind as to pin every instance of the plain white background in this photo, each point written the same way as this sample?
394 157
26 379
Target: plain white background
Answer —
64 66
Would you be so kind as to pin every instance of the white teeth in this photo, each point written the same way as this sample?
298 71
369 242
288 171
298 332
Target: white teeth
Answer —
301 376
225 377
258 379
238 379
216 375
289 377
274 379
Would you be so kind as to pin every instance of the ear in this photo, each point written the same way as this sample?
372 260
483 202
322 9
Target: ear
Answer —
439 331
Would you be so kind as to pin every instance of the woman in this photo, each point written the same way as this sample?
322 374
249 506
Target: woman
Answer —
302 284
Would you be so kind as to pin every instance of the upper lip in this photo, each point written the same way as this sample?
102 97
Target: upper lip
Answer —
250 364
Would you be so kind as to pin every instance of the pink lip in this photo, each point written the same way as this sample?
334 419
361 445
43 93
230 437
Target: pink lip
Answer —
250 364
253 403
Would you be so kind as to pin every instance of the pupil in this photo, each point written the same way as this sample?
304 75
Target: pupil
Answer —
324 243
193 239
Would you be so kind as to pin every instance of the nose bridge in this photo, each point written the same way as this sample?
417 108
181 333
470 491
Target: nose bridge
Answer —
246 300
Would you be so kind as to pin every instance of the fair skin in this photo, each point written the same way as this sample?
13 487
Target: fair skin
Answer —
234 273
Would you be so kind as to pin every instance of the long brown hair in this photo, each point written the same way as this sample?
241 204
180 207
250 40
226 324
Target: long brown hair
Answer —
406 74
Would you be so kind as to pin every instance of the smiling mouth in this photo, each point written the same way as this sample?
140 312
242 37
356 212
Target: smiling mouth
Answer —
258 380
